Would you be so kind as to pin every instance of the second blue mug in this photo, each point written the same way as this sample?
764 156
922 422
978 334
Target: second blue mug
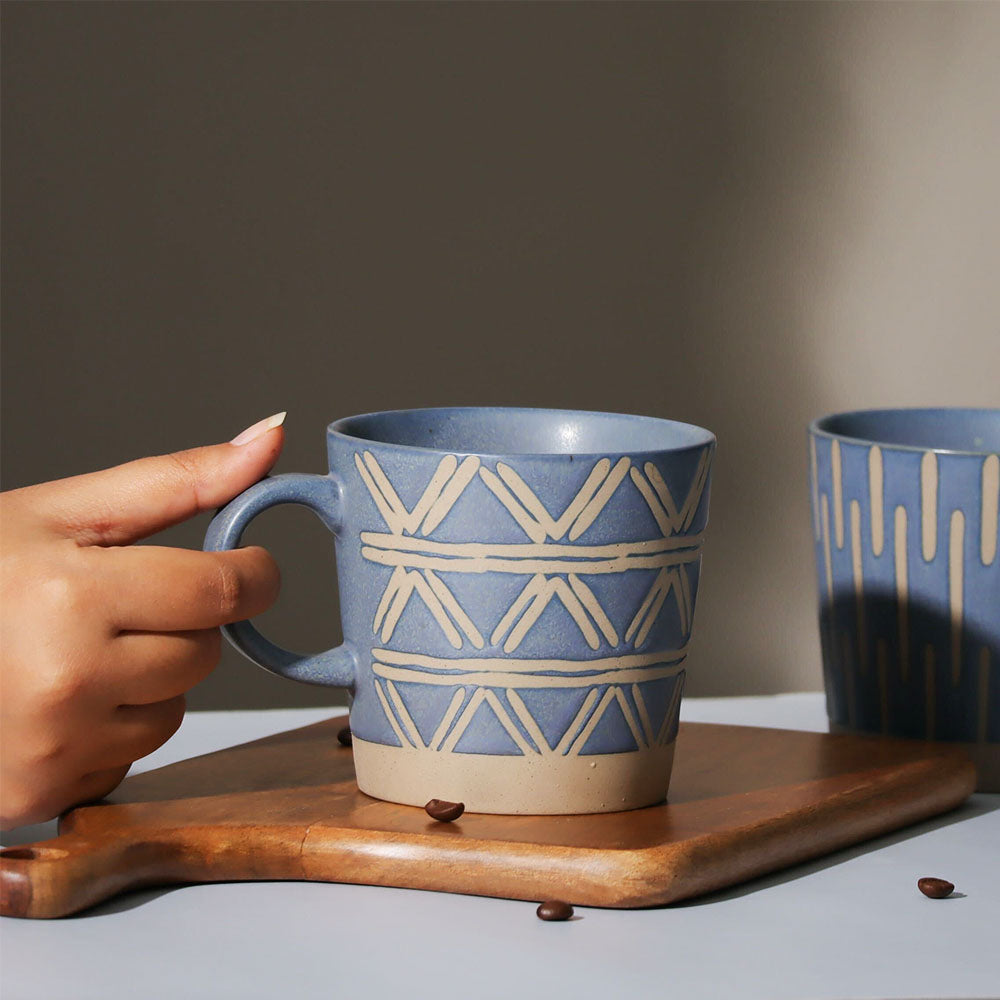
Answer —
905 518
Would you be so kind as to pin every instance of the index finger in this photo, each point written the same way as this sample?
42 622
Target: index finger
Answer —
127 502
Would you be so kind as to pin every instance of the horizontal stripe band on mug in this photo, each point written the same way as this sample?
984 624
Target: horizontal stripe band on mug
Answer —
529 550
498 678
511 665
488 564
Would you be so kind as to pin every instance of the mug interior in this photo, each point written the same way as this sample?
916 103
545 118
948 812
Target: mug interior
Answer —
948 430
522 431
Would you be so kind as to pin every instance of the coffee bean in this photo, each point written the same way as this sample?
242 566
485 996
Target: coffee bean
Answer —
444 812
344 737
935 888
554 909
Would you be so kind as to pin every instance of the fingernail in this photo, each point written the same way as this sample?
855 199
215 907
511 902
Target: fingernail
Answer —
259 429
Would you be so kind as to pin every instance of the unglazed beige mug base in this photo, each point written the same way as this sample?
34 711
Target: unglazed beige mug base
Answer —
537 786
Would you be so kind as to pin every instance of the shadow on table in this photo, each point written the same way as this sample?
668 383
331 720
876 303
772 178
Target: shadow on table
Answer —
978 805
129 901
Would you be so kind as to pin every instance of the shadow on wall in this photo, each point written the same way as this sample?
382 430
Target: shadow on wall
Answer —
336 208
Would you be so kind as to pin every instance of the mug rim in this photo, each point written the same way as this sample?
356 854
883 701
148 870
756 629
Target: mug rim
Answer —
817 428
706 437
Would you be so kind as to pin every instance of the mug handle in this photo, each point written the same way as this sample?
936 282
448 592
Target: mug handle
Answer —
324 496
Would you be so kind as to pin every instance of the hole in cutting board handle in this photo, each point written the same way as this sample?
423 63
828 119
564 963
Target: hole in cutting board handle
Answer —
33 853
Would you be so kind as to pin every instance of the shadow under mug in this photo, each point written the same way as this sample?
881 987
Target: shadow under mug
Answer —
905 519
517 590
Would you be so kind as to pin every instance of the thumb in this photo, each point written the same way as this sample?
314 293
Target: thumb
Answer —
131 501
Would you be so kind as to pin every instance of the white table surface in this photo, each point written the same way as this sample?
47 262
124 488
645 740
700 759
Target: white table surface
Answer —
849 925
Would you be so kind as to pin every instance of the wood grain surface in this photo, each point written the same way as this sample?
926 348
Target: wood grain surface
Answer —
743 802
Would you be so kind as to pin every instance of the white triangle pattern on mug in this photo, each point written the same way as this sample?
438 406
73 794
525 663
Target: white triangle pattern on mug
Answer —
586 720
554 570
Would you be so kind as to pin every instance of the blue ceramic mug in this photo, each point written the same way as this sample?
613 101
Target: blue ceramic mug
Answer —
905 518
517 589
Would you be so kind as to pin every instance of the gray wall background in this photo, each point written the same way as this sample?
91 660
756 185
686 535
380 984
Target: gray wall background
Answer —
741 216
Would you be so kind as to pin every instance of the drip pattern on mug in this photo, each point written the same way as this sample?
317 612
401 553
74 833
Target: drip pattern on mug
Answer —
534 706
909 579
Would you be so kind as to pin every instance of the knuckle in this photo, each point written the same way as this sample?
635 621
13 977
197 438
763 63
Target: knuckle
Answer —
229 590
62 682
64 592
44 753
102 523
188 473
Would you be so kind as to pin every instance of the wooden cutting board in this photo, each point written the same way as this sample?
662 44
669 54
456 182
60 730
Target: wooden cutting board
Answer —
743 801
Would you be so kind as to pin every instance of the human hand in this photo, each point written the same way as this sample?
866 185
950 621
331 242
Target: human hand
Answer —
100 639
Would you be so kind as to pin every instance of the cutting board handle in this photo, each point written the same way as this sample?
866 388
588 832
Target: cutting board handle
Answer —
53 878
